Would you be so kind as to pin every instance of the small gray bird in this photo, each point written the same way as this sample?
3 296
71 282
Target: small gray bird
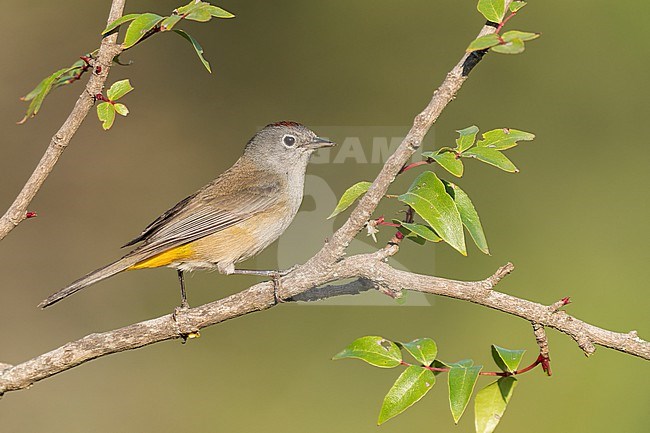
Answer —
231 219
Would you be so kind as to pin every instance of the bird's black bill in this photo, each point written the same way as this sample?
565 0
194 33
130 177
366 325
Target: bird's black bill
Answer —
319 142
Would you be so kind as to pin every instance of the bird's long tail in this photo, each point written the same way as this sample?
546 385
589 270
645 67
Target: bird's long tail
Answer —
92 278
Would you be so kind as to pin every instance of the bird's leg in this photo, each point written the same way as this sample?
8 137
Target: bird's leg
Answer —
274 275
255 272
270 274
185 328
181 279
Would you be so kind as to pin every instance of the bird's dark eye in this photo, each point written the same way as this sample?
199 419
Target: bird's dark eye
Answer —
289 140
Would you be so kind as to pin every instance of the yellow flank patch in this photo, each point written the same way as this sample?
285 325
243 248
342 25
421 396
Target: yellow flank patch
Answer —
165 258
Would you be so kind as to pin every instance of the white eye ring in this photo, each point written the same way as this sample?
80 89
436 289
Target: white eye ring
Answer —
289 140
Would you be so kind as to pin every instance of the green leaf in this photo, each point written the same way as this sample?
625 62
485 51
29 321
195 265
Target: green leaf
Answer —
200 13
469 216
483 42
121 109
492 157
516 5
66 76
450 162
428 197
515 46
516 34
506 359
38 89
410 386
118 22
189 8
462 363
217 12
467 138
422 231
106 114
37 96
169 22
349 197
461 386
424 350
492 10
69 76
139 27
504 138
374 350
197 48
490 403
119 89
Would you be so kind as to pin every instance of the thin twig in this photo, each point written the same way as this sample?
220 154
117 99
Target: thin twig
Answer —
482 373
542 341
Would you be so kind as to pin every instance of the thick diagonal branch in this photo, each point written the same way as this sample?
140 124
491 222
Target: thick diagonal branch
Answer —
17 212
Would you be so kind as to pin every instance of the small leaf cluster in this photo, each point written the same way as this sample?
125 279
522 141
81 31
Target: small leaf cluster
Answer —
417 380
443 205
144 25
495 10
106 110
57 79
489 149
511 42
141 27
446 210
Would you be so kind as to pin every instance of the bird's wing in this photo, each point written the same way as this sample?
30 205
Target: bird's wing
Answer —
208 211
158 222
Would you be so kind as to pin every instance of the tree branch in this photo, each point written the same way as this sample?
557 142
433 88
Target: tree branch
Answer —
481 293
108 49
372 270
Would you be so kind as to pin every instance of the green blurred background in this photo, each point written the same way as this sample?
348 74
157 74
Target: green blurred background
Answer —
572 221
